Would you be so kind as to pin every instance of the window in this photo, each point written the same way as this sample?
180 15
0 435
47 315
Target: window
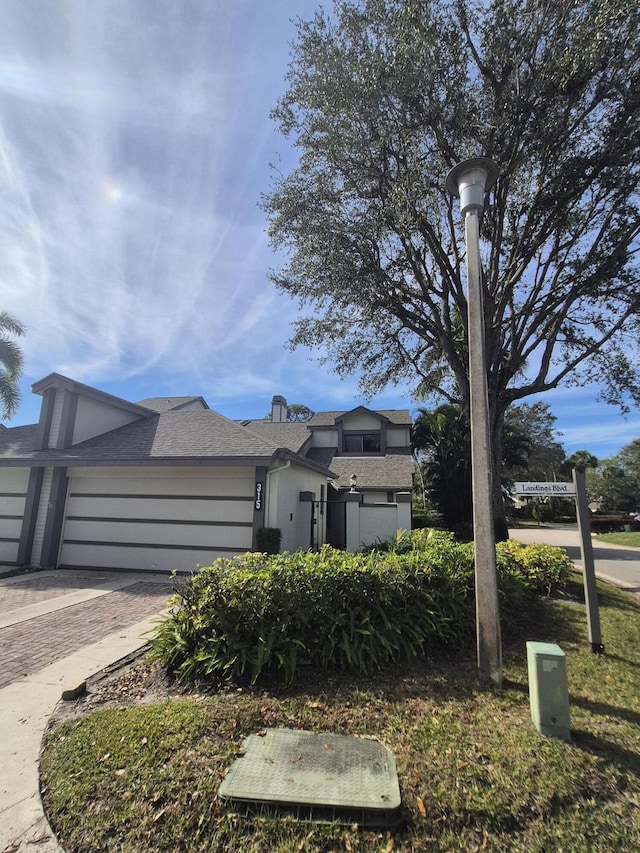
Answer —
361 442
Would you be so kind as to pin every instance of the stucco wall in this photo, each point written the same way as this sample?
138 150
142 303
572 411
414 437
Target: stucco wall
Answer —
287 512
361 420
377 523
95 418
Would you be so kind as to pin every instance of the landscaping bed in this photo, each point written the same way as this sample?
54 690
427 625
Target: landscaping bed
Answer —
138 767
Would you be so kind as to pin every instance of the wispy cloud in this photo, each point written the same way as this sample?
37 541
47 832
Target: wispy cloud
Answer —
134 144
133 153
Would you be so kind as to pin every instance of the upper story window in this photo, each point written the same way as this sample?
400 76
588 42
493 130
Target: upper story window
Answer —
361 442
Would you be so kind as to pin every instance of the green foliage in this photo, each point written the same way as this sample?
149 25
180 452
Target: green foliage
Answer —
543 566
12 363
473 771
253 614
382 98
268 539
613 486
443 443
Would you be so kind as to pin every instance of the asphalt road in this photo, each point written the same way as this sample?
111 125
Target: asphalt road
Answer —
613 563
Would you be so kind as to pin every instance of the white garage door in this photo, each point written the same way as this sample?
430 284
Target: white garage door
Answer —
13 493
161 519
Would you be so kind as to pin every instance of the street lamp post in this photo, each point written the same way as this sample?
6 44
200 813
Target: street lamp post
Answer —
470 180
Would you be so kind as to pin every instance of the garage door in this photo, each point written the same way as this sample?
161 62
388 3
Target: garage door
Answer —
13 492
160 519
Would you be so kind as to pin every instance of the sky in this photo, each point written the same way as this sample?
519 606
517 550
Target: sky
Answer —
135 141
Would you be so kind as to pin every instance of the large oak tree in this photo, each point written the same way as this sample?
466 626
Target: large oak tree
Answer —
383 97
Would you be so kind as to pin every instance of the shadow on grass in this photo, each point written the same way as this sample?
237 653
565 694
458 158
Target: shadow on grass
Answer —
625 759
545 621
605 710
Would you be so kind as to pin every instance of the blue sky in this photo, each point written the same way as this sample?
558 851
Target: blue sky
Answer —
135 141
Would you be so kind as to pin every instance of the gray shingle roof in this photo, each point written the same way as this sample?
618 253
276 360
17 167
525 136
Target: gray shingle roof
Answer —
290 435
401 417
392 472
18 441
175 435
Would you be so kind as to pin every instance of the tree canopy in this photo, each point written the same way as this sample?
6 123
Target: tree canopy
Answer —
441 440
11 361
383 98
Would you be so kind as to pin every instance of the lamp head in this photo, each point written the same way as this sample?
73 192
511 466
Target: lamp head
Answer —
470 180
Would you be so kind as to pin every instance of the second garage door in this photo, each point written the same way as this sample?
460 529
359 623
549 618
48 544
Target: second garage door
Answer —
156 519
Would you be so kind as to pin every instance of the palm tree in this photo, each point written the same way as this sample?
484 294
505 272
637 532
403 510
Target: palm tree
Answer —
11 361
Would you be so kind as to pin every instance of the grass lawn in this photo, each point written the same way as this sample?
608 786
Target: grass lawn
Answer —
630 539
474 773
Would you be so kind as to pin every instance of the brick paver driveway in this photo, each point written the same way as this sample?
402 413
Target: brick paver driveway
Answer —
47 616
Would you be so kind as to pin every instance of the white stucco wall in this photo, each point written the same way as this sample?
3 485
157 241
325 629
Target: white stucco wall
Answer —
361 421
95 418
287 512
377 523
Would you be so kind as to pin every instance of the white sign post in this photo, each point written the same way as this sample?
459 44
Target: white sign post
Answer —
590 590
577 491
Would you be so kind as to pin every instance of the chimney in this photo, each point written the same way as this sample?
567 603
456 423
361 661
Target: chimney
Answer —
278 410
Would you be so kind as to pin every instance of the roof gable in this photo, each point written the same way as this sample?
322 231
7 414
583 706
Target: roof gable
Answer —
172 404
359 411
395 417
58 381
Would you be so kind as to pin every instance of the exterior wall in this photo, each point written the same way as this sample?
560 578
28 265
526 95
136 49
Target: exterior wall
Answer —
371 523
42 514
377 523
398 436
95 418
325 438
375 497
162 519
361 420
14 483
292 516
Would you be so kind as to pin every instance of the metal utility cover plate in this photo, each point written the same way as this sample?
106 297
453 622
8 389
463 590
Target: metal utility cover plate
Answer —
298 768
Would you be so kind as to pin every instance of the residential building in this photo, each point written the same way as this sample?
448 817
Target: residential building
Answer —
167 483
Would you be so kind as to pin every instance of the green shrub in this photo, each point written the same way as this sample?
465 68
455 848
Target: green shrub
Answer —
255 613
268 540
543 566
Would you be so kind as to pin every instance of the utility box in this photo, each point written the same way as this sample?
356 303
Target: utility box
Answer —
548 689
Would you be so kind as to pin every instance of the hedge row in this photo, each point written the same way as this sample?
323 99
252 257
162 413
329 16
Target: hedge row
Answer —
248 615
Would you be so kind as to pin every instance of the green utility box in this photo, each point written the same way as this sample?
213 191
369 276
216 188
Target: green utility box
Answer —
548 689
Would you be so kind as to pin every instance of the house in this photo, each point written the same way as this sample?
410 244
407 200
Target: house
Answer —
164 483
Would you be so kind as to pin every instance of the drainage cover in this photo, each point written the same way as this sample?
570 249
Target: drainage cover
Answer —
315 776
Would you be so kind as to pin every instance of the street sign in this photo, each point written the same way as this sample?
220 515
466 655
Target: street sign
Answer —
558 490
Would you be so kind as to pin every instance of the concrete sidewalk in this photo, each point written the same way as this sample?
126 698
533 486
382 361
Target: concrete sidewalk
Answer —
56 629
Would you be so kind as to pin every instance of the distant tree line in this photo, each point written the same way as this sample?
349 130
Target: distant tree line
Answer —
531 451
